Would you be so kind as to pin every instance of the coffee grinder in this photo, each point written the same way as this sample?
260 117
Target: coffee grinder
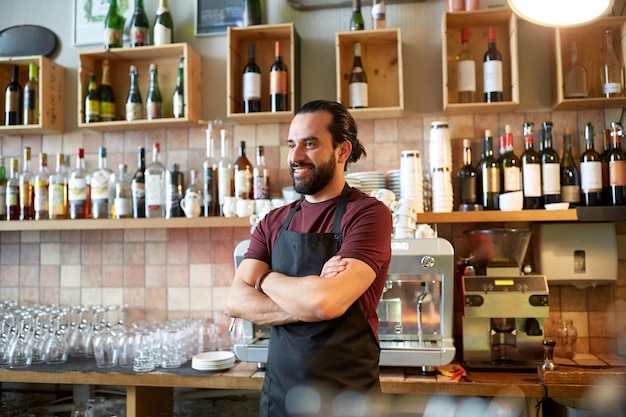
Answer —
503 311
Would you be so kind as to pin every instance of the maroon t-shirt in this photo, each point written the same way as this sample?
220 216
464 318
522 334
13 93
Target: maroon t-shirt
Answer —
366 235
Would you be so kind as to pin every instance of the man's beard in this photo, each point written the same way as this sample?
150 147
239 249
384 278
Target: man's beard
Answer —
320 177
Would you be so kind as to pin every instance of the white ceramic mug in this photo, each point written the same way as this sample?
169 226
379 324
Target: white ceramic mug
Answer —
191 204
243 207
400 220
384 195
228 208
277 202
405 207
261 205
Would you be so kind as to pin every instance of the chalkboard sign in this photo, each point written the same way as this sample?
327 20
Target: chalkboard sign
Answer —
214 16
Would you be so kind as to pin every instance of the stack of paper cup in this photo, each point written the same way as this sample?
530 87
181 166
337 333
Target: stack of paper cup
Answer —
441 167
411 178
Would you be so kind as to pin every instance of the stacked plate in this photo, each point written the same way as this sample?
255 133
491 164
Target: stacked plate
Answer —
213 361
394 181
369 181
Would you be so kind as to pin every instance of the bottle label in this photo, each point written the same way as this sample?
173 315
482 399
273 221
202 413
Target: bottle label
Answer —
378 8
209 186
251 86
261 186
138 36
551 179
491 180
11 101
57 199
107 111
178 106
12 196
41 196
532 180
278 82
492 76
112 37
512 177
617 173
467 75
358 95
162 34
92 110
133 111
3 200
154 110
570 193
122 207
26 194
30 99
224 177
242 183
611 88
591 176
154 192
77 188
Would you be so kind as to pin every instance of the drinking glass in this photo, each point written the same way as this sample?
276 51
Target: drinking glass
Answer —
105 348
56 348
143 360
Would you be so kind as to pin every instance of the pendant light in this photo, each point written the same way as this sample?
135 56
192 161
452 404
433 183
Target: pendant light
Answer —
560 13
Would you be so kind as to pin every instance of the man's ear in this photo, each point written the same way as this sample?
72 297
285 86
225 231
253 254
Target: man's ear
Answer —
345 149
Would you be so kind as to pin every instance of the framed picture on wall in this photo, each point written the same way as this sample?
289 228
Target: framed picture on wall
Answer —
214 16
89 18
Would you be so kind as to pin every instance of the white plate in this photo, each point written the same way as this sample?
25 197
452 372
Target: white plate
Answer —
213 356
557 206
212 369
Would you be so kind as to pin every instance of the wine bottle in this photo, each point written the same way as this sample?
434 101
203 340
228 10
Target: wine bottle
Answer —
490 175
466 70
155 185
30 111
467 180
154 101
107 97
279 100
122 200
492 70
617 167
113 27
101 187
224 172
92 101
41 186
606 148
57 190
511 165
550 168
252 12
356 21
13 100
139 26
174 192
13 191
251 83
134 103
3 190
209 177
163 25
570 176
358 81
138 186
576 78
243 173
27 210
611 70
78 188
379 15
531 171
179 92
590 171
260 176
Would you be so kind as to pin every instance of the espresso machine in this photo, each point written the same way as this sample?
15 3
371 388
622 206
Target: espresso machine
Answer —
503 311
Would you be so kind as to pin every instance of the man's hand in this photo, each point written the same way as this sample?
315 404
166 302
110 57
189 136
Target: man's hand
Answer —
333 266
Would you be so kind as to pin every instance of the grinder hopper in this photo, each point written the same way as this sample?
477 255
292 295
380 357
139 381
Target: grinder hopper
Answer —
498 251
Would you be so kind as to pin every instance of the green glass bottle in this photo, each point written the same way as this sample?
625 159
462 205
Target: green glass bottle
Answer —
163 25
92 101
154 102
252 13
134 104
3 190
113 27
107 97
357 22
139 26
179 91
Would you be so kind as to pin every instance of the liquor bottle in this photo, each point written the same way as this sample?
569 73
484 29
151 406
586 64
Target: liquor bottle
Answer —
57 190
379 15
210 201
467 180
174 192
492 70
107 97
13 191
122 201
179 92
138 186
611 70
78 185
224 172
41 184
155 185
113 27
27 211
511 165
576 78
243 173
251 83
570 176
3 190
101 187
358 81
260 176
466 70
163 25
279 99
30 111
252 13
590 172
490 175
13 100
92 101
139 26
617 167
550 168
531 171
606 148
154 101
134 104
356 21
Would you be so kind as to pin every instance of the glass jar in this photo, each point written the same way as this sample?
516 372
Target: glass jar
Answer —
566 336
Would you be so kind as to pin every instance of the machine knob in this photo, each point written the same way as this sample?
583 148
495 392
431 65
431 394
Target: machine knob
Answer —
428 261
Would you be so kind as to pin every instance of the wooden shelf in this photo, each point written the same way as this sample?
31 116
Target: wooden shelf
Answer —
499 216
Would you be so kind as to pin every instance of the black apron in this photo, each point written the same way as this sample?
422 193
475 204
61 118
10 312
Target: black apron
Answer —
328 356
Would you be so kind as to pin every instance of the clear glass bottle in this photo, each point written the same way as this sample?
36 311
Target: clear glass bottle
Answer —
358 81
163 31
13 190
590 171
138 185
113 27
576 78
3 190
466 70
155 185
531 170
225 178
356 21
179 92
134 103
379 15
30 110
154 101
550 168
41 186
101 187
611 70
27 210
139 30
209 177
122 202
260 176
78 188
57 190
570 176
